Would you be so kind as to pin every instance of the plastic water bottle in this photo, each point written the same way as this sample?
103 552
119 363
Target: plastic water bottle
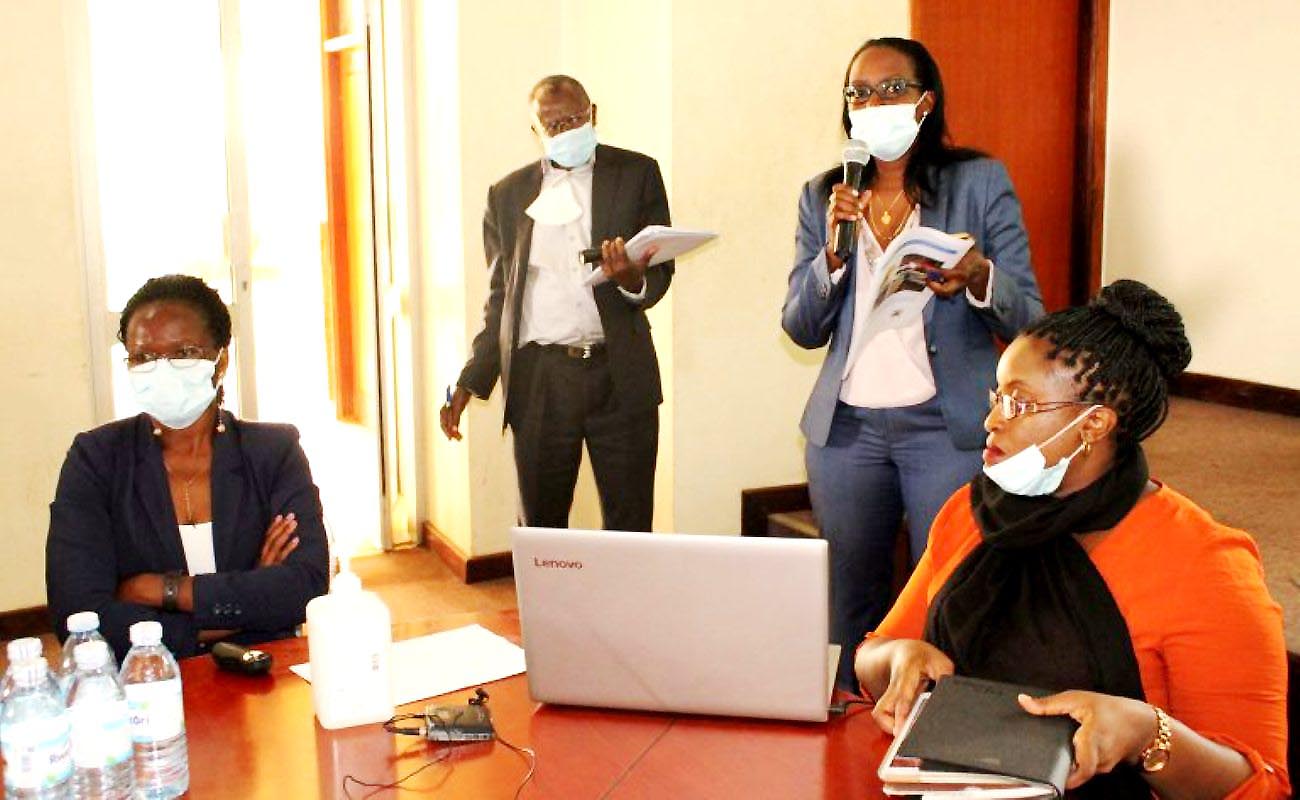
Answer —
34 736
153 693
82 627
102 765
18 650
349 635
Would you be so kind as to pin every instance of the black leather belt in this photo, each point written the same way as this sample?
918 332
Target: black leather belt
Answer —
582 351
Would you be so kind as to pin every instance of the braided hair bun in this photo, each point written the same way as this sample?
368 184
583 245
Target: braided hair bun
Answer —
1151 319
1124 347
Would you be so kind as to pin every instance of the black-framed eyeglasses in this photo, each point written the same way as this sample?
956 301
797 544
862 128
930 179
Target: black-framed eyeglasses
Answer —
183 358
558 126
1012 407
888 89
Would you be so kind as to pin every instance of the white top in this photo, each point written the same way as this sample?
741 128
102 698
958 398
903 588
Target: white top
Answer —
892 369
199 555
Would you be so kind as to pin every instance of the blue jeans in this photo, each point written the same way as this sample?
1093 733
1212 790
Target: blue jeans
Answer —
877 464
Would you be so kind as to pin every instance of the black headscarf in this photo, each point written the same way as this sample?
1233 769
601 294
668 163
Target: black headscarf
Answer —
1028 606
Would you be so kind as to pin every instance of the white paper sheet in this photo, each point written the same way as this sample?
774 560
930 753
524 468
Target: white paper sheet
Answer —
672 242
428 666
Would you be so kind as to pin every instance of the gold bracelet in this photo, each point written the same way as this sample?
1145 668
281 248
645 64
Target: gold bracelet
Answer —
1156 756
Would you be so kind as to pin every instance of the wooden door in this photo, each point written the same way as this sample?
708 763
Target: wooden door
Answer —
1025 82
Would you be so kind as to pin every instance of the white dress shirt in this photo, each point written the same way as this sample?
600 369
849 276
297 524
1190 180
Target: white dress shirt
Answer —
892 368
557 307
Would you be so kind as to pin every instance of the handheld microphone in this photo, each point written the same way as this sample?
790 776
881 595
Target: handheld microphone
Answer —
856 156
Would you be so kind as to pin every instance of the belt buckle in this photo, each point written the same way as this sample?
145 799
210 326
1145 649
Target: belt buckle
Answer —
586 351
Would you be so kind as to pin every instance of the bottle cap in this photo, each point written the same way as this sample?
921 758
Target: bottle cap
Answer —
23 649
31 672
146 633
90 655
83 622
345 582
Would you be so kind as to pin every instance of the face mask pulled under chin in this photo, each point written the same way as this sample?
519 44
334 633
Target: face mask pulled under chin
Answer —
572 148
1026 473
176 397
888 130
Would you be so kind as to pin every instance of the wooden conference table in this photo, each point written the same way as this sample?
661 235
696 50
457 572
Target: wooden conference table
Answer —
258 738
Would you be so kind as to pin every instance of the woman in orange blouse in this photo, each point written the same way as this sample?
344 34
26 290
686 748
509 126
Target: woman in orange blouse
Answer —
1150 620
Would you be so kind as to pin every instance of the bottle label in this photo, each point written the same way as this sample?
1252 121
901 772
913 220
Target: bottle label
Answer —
157 710
101 734
37 752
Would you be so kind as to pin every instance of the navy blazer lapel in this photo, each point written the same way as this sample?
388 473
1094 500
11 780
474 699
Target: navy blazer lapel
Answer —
156 496
524 223
227 491
605 177
523 245
934 216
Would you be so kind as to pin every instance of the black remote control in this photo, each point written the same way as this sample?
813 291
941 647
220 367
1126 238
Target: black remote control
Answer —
237 658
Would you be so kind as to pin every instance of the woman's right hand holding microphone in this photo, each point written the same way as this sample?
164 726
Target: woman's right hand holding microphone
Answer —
846 205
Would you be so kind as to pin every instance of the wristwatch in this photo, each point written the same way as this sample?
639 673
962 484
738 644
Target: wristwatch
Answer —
171 591
1156 756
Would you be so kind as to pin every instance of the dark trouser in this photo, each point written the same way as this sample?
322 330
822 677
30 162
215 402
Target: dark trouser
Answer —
877 464
557 403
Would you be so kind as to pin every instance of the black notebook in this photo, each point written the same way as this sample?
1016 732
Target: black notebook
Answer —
972 725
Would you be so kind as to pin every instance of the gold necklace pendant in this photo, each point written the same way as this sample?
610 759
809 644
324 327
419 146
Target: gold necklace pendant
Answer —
886 217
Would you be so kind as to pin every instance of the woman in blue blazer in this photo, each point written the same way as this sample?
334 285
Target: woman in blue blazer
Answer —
894 423
184 514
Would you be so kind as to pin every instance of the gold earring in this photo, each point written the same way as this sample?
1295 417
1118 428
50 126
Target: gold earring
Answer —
1087 448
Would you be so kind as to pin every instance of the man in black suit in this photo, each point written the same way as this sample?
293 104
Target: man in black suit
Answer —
576 360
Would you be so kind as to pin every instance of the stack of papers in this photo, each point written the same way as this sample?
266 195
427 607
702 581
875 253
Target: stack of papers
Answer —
672 242
439 663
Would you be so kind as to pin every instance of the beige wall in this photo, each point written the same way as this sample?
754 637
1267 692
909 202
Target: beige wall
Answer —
43 340
1202 173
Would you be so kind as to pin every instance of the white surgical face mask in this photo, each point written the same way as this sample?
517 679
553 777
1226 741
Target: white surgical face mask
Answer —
174 396
888 130
572 148
1027 474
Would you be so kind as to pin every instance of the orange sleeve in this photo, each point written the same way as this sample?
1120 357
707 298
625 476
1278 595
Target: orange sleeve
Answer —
948 544
1226 666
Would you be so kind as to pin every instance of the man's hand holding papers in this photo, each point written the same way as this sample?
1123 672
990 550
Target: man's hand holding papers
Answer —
654 244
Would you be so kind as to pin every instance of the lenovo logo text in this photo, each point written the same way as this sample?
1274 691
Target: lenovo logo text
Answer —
555 563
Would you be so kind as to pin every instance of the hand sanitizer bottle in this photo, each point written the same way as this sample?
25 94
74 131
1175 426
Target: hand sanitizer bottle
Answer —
349 635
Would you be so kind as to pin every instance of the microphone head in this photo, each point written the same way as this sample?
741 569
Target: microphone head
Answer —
856 156
856 152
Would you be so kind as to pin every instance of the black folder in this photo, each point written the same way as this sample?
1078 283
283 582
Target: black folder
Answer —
972 725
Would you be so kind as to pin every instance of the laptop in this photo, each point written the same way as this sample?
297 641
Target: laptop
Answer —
725 625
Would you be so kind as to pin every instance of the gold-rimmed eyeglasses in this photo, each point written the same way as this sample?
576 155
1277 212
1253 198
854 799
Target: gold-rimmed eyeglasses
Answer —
183 358
558 126
857 94
1012 407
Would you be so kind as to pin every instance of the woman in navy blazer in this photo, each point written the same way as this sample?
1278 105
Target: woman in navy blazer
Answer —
898 428
184 514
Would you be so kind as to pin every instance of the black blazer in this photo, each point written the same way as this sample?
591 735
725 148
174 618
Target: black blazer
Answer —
627 194
113 517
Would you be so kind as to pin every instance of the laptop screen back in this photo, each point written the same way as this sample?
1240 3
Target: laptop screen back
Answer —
675 622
